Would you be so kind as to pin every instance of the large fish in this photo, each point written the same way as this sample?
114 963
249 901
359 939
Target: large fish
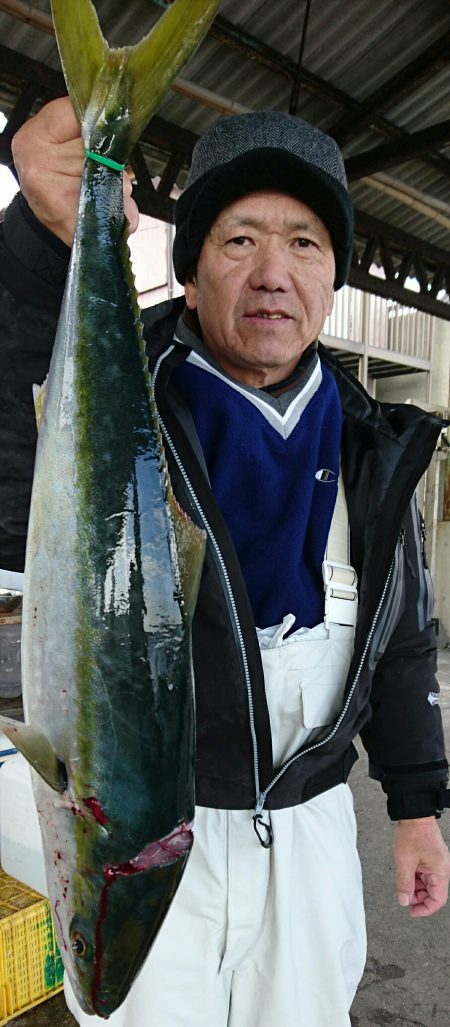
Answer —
113 565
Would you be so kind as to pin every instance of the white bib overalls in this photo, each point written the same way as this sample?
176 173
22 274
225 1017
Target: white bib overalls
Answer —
273 937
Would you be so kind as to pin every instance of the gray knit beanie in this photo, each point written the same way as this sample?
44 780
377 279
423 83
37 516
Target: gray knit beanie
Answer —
249 152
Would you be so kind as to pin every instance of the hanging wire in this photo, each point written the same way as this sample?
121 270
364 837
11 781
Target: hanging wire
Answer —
293 102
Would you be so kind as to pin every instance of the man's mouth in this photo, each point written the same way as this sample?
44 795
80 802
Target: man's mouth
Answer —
269 315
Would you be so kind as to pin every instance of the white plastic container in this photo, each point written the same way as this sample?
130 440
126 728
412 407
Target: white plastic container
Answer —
7 749
10 643
21 853
10 663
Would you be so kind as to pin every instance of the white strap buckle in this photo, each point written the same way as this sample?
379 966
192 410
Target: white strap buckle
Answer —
341 593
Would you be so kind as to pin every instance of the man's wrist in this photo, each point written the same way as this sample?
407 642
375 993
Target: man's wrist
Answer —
417 822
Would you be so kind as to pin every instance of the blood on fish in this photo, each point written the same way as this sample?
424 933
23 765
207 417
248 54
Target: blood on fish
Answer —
57 903
166 850
95 808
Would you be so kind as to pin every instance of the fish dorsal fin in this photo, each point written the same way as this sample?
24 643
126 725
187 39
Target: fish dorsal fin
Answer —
39 392
37 750
190 546
126 84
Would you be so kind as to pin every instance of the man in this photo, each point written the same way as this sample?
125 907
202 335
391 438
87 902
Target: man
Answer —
267 926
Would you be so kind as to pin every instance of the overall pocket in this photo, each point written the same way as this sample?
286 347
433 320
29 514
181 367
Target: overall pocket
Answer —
305 677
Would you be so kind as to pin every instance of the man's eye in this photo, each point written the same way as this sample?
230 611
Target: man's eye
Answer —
304 243
239 240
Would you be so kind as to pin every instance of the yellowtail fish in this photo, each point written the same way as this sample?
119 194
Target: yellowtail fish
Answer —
113 564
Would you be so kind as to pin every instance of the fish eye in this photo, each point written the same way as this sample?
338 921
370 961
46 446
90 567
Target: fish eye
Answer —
79 946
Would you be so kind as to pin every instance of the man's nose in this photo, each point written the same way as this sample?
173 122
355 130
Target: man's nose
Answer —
270 267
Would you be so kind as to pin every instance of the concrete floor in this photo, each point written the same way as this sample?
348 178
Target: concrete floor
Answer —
407 982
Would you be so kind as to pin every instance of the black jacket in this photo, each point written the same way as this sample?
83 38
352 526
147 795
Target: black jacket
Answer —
384 453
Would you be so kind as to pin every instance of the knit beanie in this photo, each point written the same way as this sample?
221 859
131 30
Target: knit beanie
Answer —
245 153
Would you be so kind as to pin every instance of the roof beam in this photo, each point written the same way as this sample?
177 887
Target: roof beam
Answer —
391 290
167 136
254 49
236 38
367 226
402 84
398 152
170 173
21 110
18 115
251 47
428 264
19 68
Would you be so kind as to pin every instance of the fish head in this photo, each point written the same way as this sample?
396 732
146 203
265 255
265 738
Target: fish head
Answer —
116 916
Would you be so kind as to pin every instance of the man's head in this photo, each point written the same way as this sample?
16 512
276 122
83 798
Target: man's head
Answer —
263 151
264 235
263 286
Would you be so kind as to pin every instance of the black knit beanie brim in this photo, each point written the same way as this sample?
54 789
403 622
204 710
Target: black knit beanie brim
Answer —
262 169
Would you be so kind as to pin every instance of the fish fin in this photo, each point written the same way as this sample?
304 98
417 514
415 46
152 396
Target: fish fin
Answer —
39 400
82 46
124 84
37 750
156 60
190 544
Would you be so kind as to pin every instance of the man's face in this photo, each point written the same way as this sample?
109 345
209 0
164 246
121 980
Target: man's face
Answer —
263 286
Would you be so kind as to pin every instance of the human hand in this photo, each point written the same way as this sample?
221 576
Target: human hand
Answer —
422 863
48 156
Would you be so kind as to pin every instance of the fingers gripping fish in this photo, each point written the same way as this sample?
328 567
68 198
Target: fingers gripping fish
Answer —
113 565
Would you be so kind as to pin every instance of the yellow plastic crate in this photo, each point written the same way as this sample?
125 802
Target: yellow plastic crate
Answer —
31 968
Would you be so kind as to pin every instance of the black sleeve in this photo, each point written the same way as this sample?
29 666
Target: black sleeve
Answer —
404 738
33 267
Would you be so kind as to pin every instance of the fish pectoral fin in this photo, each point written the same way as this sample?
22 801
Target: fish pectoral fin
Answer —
37 750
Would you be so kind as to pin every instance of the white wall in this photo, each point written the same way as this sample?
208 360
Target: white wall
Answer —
401 388
151 258
440 372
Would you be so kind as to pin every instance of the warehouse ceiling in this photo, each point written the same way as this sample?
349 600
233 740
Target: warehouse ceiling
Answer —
373 75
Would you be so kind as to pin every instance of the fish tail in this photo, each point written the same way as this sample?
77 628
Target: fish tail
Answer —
109 85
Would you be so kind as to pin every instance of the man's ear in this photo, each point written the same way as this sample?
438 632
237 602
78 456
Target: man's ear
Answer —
330 303
190 292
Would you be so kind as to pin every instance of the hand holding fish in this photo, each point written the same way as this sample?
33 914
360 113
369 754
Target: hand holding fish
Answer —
49 159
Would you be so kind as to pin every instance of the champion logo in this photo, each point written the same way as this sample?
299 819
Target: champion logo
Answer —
433 698
326 475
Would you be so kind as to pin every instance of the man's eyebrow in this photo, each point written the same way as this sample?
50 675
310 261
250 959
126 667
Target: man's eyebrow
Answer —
244 221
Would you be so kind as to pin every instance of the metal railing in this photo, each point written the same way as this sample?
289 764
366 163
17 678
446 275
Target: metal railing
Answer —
380 323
